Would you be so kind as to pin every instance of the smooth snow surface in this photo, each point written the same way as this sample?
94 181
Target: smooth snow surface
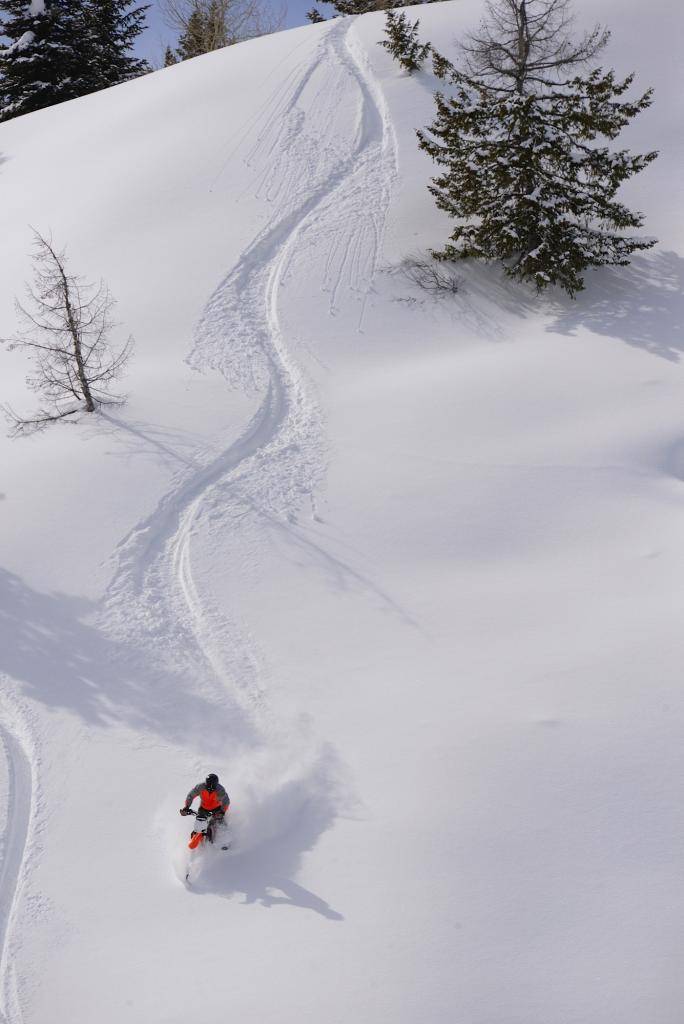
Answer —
407 572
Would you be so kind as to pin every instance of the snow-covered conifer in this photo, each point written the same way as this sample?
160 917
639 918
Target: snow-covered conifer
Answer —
114 27
403 42
47 59
315 16
520 139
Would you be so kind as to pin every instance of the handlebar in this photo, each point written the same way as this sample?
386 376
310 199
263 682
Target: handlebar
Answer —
216 810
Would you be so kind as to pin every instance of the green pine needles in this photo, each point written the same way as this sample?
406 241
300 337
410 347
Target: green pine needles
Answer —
525 168
59 50
403 42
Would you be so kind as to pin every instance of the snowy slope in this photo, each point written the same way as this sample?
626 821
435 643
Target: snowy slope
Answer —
406 573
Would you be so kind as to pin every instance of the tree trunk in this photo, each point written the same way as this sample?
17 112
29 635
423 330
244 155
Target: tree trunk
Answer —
75 337
523 47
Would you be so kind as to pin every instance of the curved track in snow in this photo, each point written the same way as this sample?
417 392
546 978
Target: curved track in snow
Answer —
324 178
318 181
317 169
20 806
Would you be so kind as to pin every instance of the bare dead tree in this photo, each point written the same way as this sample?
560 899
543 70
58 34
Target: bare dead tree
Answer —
207 25
524 44
66 327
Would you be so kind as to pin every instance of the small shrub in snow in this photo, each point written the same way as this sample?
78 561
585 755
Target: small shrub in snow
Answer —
67 326
315 16
524 171
431 275
403 42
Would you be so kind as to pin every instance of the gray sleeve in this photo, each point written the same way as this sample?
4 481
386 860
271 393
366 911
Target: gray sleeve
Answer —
223 796
195 791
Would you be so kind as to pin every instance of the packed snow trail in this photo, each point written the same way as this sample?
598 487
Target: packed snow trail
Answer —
21 806
323 179
331 179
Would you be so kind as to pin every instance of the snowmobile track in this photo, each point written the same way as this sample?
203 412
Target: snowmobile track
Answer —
319 185
20 805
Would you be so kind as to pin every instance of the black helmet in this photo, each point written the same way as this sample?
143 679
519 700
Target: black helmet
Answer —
211 782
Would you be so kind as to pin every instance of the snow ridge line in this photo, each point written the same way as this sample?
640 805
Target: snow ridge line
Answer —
21 810
280 458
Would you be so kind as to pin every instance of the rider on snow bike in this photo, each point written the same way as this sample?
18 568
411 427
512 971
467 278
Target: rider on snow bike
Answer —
214 801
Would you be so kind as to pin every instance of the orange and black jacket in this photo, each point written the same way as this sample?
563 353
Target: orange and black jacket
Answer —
211 800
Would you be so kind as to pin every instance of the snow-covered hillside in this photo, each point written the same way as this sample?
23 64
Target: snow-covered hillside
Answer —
407 573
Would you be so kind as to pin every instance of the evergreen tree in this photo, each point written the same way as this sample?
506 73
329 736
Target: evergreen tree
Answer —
366 6
403 42
358 6
523 171
315 16
169 58
113 31
193 40
206 25
48 57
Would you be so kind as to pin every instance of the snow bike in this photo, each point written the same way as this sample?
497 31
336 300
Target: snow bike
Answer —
207 830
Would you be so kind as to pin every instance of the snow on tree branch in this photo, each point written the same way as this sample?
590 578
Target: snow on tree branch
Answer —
519 139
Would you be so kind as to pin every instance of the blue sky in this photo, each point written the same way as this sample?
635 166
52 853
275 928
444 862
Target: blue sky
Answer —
153 41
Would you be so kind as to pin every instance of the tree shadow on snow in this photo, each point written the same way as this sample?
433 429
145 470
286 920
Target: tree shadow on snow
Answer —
642 305
64 661
150 440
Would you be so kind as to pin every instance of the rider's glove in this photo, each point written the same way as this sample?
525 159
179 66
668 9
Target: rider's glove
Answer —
219 813
185 810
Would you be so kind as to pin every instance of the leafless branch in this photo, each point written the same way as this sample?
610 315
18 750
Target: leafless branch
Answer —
429 274
22 426
218 23
521 41
66 328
